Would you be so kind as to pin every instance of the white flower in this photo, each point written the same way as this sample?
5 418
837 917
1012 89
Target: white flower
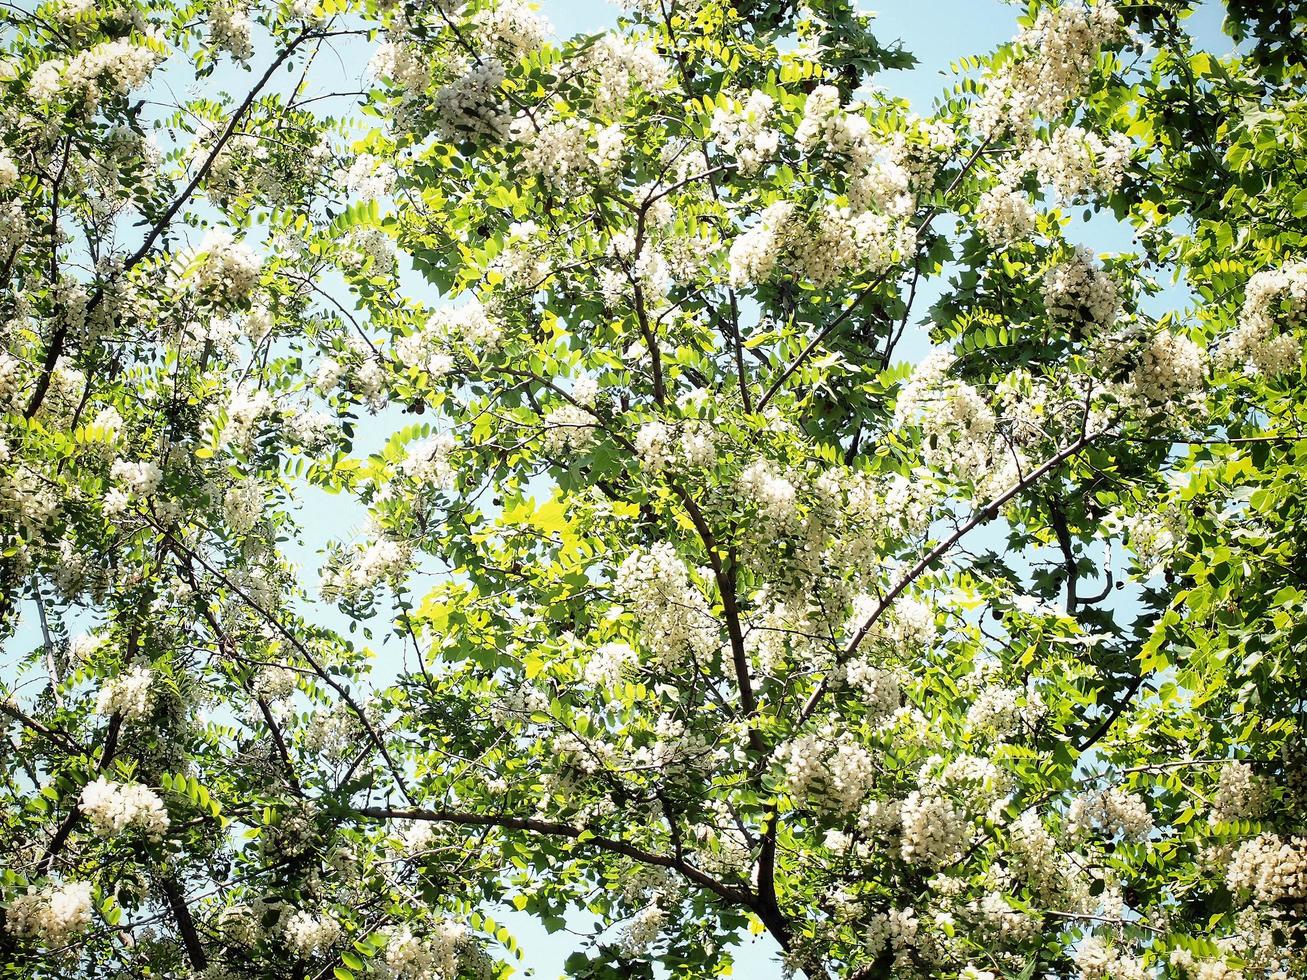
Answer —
113 808
222 267
430 462
8 171
643 930
54 914
585 391
675 619
242 505
511 28
754 253
230 30
620 64
1172 366
741 131
1080 293
1111 812
568 428
771 493
1271 868
307 934
141 478
1265 341
474 102
1005 215
129 694
401 64
1240 794
934 830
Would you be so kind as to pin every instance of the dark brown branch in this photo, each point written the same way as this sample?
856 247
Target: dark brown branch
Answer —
551 828
185 924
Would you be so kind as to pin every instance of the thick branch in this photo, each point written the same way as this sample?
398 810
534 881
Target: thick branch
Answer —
185 924
551 828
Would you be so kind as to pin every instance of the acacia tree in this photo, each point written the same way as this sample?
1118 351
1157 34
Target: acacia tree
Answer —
722 607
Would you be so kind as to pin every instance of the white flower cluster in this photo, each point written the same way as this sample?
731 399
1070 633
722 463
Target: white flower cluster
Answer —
230 30
568 428
222 267
906 628
622 64
883 174
1033 854
828 126
1270 868
511 28
468 324
741 131
770 492
433 956
1004 213
998 711
368 177
1075 161
54 914
118 66
828 767
643 930
881 689
1204 969
403 65
8 171
1097 960
754 253
1155 535
308 934
563 153
242 505
114 808
473 102
365 568
847 242
934 832
1080 293
609 664
654 446
128 695
243 412
141 478
1240 794
1171 368
432 348
14 231
430 462
311 430
1264 341
275 682
407 957
1111 812
835 242
370 249
674 616
1055 57
957 424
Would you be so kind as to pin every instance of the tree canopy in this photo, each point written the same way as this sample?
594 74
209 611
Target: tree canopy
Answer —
756 503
